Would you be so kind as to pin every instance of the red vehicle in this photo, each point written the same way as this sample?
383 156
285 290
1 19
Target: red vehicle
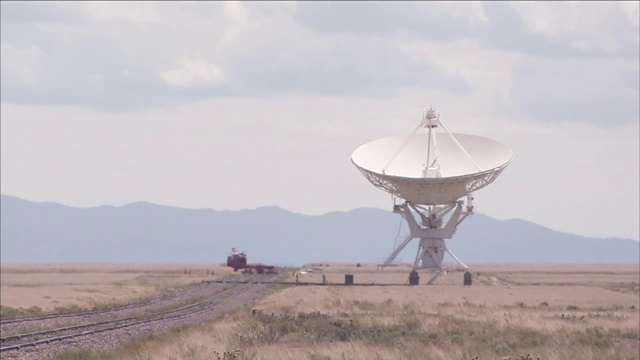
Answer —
238 260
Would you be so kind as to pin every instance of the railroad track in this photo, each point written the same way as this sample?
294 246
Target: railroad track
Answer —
36 334
151 301
45 338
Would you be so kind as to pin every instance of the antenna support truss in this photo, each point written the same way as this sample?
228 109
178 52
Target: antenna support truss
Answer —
431 232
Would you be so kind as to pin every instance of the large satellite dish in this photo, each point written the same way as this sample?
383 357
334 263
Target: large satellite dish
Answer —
431 169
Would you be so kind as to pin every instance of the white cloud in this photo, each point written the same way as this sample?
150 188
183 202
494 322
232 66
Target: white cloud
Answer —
472 11
136 12
236 12
587 26
632 11
281 48
427 20
194 72
21 66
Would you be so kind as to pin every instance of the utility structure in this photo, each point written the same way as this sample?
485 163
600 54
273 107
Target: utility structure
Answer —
429 172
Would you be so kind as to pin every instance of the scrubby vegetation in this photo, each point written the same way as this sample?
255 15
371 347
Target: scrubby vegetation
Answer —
259 335
446 333
513 315
10 313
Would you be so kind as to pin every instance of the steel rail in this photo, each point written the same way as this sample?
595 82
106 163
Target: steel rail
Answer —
98 312
67 328
90 313
215 299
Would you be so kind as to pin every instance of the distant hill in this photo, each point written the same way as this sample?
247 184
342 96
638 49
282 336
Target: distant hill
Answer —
36 232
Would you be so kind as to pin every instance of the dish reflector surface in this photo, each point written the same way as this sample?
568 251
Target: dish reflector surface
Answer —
397 165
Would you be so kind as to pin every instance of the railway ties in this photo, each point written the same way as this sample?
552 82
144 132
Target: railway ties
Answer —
52 316
155 300
123 322
130 306
53 331
9 342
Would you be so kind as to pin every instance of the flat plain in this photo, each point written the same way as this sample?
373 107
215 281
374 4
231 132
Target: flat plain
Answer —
510 311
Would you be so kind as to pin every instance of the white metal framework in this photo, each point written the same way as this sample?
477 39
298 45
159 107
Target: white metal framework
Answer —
419 191
431 230
431 172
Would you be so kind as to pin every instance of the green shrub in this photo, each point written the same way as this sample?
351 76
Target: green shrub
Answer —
9 313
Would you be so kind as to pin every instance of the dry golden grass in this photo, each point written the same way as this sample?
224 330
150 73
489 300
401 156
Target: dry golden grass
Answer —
50 286
548 311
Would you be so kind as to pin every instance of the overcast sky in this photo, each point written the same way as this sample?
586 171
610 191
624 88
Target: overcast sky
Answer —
241 105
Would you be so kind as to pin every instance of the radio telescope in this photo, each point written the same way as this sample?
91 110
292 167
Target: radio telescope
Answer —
429 171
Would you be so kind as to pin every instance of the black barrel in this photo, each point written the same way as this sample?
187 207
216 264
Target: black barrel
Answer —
414 278
348 279
467 278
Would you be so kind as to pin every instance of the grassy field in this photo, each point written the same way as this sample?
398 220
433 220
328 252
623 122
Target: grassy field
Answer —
511 311
30 289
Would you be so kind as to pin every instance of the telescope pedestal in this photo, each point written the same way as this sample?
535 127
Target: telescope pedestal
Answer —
431 231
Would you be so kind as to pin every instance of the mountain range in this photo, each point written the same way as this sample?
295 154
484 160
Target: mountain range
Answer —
141 232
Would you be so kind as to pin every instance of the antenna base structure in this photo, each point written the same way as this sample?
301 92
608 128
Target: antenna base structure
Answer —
432 232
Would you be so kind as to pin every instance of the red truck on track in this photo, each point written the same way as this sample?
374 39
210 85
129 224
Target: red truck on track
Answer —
238 261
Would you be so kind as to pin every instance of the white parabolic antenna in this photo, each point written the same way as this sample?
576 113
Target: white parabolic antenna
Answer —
430 170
